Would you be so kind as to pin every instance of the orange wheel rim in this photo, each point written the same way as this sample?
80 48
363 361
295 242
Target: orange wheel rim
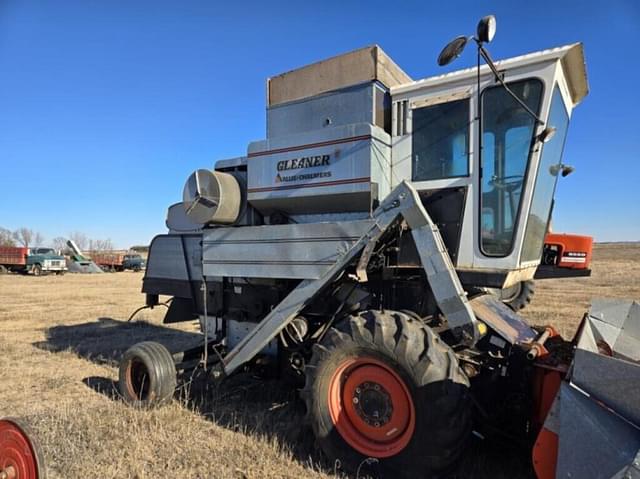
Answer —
371 407
18 458
137 379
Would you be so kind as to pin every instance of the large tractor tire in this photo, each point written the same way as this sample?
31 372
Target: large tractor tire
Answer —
147 377
383 385
518 296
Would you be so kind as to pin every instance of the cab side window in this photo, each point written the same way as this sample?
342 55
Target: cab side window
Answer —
440 141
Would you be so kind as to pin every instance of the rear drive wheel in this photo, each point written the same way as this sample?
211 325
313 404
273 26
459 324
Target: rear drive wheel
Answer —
3 269
36 270
519 295
147 376
383 385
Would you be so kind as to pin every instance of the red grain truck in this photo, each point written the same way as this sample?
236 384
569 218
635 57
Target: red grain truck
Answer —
117 261
12 259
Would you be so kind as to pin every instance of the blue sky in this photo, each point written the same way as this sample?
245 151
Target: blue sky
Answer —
107 106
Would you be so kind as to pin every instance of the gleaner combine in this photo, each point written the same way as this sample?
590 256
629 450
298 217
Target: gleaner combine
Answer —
354 247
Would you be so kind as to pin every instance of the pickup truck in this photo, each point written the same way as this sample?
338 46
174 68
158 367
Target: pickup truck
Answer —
45 260
133 261
35 260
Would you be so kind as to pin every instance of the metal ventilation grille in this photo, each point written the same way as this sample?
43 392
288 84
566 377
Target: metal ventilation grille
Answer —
400 123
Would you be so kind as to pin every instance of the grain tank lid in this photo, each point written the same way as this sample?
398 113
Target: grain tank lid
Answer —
365 64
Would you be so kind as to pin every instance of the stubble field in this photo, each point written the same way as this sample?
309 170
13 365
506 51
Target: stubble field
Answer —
61 338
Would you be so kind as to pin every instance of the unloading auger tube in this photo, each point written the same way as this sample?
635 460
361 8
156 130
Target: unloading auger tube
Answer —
441 276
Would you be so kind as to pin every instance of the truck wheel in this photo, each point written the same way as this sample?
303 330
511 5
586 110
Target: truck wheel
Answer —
519 296
383 385
147 376
3 269
36 270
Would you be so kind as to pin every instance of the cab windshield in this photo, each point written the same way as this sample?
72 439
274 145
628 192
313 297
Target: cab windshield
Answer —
507 138
546 179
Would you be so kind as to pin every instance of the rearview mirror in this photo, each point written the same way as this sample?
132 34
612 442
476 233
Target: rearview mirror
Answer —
452 51
546 134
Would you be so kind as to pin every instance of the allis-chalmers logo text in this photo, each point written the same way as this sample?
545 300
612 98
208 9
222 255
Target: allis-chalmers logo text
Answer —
304 162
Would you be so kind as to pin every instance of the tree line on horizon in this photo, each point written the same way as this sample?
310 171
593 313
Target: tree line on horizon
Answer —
28 238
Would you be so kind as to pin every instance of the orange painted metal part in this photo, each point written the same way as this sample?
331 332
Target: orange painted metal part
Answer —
545 454
380 441
546 384
567 244
539 347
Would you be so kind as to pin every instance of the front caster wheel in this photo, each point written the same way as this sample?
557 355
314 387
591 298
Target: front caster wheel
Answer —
147 376
383 385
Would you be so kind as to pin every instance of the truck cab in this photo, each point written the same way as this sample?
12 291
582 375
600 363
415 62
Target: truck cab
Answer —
45 260
134 262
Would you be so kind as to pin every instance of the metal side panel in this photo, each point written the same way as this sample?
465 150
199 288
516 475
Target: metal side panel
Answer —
606 364
297 251
330 170
612 381
593 441
174 257
502 319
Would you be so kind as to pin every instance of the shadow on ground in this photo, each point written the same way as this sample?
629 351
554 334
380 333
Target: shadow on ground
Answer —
246 403
102 385
105 340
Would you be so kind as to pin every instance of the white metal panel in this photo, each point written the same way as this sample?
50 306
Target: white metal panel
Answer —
339 166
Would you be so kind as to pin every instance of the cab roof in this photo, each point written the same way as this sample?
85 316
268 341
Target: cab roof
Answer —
570 56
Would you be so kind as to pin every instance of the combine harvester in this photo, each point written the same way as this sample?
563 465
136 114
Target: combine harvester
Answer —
354 246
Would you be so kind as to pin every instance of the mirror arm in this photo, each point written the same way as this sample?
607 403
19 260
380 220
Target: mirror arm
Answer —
485 55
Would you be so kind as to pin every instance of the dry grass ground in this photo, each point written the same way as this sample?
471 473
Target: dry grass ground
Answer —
60 339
